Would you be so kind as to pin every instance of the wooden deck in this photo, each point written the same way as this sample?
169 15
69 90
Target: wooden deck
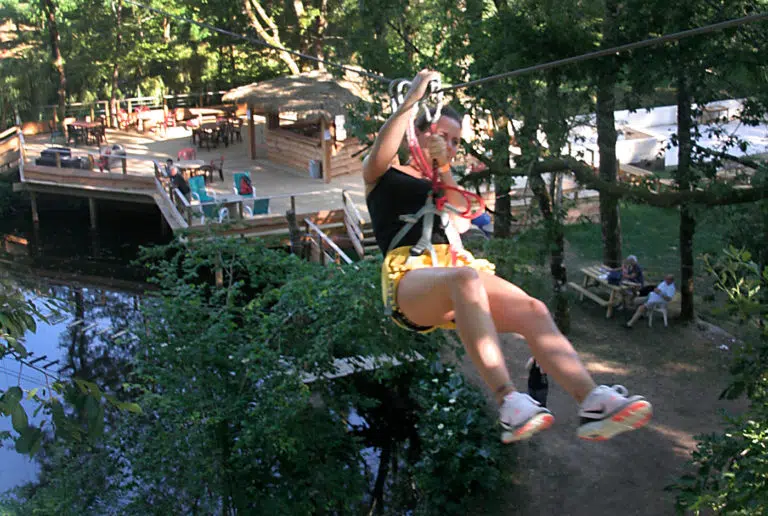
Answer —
286 187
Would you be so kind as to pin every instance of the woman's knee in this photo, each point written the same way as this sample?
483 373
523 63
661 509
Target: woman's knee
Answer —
465 281
536 307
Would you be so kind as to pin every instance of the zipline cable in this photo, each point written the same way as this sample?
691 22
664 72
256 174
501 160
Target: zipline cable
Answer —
615 50
735 22
262 43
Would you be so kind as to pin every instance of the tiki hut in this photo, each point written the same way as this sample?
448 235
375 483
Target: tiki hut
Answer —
304 122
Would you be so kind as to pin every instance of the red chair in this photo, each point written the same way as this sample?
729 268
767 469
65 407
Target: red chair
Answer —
188 153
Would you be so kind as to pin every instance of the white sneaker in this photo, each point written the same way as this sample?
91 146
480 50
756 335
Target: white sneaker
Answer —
520 416
608 411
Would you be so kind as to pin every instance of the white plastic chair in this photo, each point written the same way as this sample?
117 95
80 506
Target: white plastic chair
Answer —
660 308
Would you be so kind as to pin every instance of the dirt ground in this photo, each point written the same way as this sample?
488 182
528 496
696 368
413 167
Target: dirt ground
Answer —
680 369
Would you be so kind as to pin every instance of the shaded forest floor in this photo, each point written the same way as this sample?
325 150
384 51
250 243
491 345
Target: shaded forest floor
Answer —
680 369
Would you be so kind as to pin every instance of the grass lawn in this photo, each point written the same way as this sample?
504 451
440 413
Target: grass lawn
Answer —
652 234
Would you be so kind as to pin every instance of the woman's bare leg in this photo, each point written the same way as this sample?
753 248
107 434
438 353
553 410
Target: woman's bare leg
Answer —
433 296
484 304
515 311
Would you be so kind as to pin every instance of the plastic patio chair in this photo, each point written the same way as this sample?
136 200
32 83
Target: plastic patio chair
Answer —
197 186
252 206
662 309
187 153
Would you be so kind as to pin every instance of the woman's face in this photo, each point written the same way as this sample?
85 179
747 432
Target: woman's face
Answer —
450 130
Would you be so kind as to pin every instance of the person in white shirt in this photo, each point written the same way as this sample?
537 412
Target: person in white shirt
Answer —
661 295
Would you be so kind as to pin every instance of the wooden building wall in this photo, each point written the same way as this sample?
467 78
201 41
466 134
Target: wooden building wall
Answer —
346 157
291 149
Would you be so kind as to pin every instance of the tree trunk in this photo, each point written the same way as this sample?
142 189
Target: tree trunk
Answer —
166 30
49 8
502 184
274 37
118 8
556 238
321 23
610 222
684 181
552 203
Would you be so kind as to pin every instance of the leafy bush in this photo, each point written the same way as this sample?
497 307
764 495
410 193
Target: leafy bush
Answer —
228 424
460 452
732 468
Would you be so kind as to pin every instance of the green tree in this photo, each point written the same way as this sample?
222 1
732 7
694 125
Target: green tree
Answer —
731 468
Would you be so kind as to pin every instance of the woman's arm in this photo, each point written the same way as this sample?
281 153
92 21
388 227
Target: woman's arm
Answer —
390 136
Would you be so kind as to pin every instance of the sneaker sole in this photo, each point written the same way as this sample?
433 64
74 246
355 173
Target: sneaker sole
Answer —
537 423
633 416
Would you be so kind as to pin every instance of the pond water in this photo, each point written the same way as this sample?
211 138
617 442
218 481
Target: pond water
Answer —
91 275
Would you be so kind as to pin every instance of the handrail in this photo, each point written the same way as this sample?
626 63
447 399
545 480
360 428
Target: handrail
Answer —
348 202
11 131
324 239
165 195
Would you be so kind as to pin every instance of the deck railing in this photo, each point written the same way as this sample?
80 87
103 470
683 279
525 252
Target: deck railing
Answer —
10 149
324 250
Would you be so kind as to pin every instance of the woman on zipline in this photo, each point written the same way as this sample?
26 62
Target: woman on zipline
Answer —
462 292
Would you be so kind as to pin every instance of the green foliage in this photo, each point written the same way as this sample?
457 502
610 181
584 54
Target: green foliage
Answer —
227 423
460 456
731 475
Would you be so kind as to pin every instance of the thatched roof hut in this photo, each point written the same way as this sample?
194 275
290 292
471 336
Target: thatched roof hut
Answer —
316 141
316 92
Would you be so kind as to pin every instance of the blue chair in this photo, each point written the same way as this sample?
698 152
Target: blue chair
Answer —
254 206
197 186
200 193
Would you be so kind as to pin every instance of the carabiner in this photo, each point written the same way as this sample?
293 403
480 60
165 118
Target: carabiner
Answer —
395 91
435 86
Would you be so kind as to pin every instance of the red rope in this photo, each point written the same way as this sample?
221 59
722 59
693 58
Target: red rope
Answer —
438 187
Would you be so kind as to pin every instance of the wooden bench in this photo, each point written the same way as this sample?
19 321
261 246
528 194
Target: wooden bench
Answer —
584 292
594 277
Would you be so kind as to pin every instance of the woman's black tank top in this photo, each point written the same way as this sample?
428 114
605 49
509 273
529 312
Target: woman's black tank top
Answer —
398 193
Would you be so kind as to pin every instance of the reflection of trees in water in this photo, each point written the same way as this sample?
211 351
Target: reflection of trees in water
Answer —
91 352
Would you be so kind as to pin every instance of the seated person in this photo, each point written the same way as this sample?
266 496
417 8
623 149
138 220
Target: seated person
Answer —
168 167
178 181
632 270
661 295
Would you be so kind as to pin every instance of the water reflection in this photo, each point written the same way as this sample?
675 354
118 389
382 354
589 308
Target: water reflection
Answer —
100 292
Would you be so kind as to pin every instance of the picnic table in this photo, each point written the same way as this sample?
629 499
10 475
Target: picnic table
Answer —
188 167
84 130
597 276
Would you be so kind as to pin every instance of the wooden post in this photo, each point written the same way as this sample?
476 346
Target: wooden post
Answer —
125 165
293 231
93 114
107 114
251 133
129 108
92 210
33 203
58 160
325 147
